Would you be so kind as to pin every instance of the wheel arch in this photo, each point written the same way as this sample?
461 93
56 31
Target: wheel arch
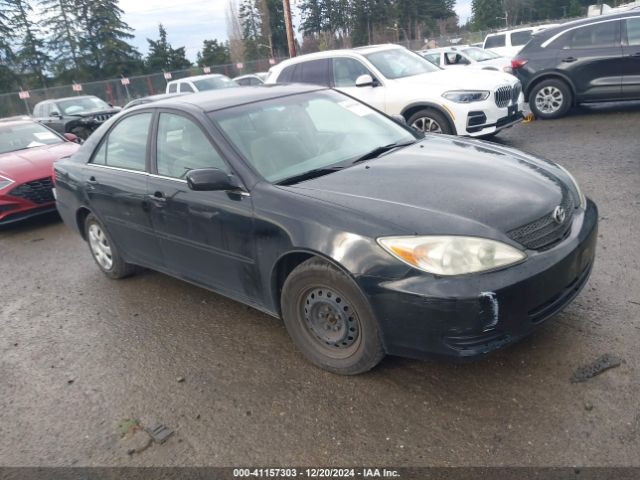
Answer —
81 215
551 76
287 262
417 106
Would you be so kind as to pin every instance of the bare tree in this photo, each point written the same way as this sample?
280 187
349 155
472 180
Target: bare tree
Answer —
234 32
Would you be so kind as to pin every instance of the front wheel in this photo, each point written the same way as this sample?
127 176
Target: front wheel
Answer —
429 120
330 320
104 251
550 99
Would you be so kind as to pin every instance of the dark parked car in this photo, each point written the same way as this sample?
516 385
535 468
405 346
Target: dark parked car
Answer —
364 236
591 60
78 115
27 153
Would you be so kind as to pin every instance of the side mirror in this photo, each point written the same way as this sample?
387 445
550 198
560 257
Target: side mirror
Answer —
72 138
400 119
211 179
366 81
57 114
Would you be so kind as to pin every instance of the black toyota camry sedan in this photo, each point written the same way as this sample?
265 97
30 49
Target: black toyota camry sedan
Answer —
365 237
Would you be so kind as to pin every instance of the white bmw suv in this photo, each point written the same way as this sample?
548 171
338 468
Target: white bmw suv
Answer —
400 82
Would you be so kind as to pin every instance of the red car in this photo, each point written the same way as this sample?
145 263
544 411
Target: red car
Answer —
27 152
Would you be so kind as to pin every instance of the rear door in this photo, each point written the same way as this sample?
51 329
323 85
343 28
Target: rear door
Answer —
206 237
592 57
116 186
631 53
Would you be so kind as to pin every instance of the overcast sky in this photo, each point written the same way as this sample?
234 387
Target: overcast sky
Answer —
189 22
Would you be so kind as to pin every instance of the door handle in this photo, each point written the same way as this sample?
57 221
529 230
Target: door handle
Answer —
91 183
635 55
92 179
158 199
569 59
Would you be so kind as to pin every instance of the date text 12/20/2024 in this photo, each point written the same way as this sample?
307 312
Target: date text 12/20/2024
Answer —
315 473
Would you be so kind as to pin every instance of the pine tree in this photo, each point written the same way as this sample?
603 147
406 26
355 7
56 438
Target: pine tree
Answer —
7 76
104 47
58 18
250 19
277 28
575 9
31 57
487 14
213 53
162 56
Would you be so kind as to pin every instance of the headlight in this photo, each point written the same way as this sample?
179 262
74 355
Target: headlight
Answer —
581 197
5 182
451 255
466 96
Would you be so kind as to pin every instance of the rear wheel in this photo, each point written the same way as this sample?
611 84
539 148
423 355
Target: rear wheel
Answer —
429 120
329 319
550 99
103 250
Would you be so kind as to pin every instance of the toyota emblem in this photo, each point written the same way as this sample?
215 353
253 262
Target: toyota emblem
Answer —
559 214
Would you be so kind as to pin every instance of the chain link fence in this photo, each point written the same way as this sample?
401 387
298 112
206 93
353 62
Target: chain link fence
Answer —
114 92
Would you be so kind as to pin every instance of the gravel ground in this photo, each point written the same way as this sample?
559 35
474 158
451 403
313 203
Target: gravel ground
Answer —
80 353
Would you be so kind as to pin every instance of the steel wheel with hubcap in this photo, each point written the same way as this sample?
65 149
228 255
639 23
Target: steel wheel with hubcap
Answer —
550 99
329 319
104 251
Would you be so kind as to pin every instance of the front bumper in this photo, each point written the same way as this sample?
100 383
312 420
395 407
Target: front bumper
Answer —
485 118
467 316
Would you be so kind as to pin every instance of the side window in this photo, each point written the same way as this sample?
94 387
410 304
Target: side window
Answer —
173 88
37 111
495 41
346 71
254 81
243 82
600 35
433 58
633 31
521 38
126 144
185 87
182 146
315 72
286 75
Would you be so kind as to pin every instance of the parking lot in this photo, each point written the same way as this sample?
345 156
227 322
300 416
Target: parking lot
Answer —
80 354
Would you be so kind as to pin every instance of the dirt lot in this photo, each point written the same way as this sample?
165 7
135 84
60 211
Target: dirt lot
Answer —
80 353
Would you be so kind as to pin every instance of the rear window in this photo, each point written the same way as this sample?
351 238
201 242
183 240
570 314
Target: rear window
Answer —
599 35
495 41
521 38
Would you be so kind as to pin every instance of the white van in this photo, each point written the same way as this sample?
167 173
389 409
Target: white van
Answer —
508 43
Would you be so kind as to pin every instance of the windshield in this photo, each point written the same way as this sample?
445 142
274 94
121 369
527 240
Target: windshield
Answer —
400 63
79 105
480 55
25 135
286 137
213 83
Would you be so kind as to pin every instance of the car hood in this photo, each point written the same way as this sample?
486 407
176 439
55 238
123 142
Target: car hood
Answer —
93 113
452 79
443 185
494 62
34 163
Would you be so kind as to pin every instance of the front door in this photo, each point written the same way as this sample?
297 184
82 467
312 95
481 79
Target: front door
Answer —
345 73
631 52
117 189
592 57
206 237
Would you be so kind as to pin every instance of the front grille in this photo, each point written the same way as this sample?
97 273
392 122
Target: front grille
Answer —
37 191
103 117
508 95
545 232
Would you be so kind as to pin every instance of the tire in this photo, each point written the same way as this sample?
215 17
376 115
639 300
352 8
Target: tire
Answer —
429 120
550 99
330 320
104 251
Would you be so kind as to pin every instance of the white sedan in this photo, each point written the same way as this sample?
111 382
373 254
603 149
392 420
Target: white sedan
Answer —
471 57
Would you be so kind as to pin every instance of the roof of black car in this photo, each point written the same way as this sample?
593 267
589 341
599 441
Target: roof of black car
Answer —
219 99
550 32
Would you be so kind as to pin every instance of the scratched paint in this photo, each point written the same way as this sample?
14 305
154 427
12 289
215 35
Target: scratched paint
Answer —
490 309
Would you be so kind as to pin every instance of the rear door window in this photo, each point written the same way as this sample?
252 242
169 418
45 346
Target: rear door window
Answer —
186 88
495 41
126 144
600 35
633 31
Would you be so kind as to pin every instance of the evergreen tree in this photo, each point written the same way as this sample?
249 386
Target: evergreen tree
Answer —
104 47
487 14
58 18
250 19
7 76
162 56
575 9
31 57
213 53
277 29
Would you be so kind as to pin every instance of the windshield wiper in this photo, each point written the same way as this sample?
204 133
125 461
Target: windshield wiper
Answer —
376 152
318 172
